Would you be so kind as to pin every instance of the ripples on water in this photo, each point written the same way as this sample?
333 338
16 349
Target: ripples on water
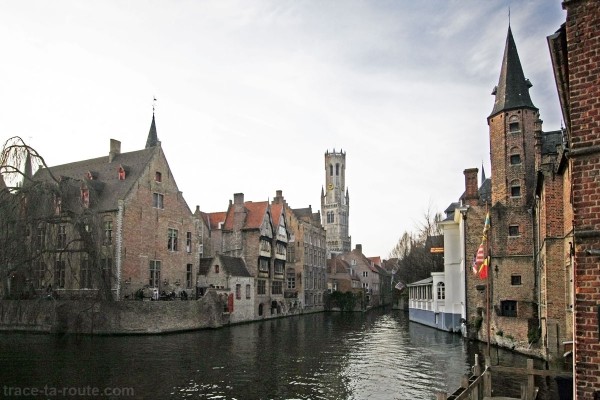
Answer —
355 356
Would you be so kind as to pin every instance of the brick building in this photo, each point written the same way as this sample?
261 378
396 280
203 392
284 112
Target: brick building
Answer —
574 50
306 275
121 224
256 232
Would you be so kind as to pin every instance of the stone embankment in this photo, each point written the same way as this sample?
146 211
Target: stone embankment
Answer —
112 317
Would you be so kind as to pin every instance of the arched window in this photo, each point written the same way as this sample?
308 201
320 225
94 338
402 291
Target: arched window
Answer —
337 169
331 169
441 291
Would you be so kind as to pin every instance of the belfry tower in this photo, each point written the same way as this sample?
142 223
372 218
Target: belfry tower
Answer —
335 204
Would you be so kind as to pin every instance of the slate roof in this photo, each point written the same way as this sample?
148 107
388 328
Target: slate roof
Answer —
234 266
550 141
152 135
513 89
107 184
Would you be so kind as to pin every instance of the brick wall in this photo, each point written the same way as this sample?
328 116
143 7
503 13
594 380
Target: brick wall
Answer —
145 232
583 47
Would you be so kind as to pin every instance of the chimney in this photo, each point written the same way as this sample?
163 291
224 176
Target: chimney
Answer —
115 149
359 248
238 198
471 192
278 197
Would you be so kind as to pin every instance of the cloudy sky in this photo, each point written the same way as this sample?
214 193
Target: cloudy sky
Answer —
252 93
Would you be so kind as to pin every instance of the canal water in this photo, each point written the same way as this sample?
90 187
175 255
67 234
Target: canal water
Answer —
375 355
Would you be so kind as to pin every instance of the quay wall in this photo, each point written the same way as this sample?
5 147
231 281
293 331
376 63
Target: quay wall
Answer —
112 317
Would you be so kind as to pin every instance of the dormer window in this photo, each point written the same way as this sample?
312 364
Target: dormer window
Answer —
85 197
122 173
157 177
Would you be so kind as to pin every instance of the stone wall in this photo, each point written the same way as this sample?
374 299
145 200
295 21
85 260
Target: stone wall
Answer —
108 317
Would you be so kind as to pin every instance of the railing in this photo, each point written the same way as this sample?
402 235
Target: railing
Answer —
479 385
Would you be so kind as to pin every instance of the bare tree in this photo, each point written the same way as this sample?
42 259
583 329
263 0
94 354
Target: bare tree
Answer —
48 231
413 250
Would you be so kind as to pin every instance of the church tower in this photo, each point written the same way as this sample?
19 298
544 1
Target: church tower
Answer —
513 124
335 204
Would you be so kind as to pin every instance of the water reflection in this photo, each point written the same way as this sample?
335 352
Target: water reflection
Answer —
376 355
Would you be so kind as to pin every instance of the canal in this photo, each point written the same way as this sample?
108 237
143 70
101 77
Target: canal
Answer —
375 355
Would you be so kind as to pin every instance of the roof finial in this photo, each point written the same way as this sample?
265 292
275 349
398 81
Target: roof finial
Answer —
153 104
509 15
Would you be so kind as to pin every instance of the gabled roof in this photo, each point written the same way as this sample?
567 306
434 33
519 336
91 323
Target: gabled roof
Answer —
338 264
234 266
112 189
276 210
513 89
214 219
255 213
376 260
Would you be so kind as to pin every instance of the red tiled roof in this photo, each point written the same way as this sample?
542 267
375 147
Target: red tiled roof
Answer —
256 214
215 218
276 213
376 260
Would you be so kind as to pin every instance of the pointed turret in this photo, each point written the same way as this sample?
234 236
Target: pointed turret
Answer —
482 174
513 88
152 135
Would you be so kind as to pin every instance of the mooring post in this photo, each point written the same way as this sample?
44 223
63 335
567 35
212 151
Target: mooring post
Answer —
476 373
487 378
530 379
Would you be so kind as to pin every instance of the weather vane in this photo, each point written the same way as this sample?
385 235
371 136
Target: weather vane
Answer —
153 104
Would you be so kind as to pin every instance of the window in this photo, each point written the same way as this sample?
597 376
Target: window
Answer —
277 287
201 249
189 273
365 285
515 280
365 273
85 274
515 191
331 169
441 291
59 274
106 264
61 237
121 173
40 238
508 308
40 273
279 267
513 127
157 177
108 231
248 291
515 159
513 230
261 286
217 269
238 291
263 264
172 239
154 267
157 200
291 280
337 169
188 242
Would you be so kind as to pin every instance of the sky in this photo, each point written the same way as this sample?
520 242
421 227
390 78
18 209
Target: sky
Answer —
250 94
